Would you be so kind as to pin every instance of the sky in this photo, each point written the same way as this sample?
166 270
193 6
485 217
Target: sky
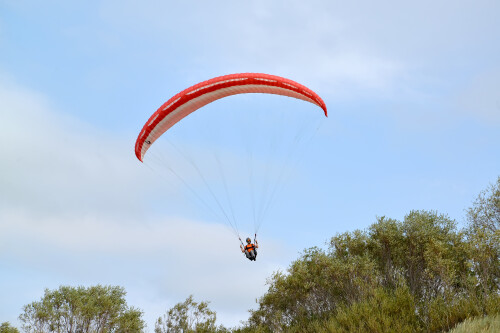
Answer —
413 97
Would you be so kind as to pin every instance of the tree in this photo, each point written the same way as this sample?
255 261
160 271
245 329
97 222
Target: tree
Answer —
483 232
188 316
398 276
78 309
485 212
7 328
315 285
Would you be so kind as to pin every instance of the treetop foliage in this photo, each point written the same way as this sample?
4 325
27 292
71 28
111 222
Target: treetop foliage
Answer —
6 327
188 317
78 309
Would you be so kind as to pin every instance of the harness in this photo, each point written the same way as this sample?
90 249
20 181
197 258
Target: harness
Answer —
249 247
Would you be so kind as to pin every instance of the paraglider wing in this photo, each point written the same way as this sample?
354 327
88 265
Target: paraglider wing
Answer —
201 94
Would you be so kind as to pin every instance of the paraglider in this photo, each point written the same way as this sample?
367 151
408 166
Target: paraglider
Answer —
250 250
203 93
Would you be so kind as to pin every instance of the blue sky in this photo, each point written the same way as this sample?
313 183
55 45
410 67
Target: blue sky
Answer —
413 93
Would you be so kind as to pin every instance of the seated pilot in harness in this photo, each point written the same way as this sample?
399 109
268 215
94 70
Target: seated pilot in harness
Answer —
250 249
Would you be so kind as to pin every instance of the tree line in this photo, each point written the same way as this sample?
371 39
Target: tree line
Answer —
421 274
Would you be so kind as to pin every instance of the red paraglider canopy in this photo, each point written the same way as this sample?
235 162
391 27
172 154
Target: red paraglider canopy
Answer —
201 94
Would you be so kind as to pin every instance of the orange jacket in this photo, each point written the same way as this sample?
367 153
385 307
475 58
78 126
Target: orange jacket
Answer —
249 247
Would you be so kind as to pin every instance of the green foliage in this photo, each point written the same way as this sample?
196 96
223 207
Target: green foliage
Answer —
433 254
7 328
94 309
385 311
485 212
313 287
483 232
445 311
188 316
421 274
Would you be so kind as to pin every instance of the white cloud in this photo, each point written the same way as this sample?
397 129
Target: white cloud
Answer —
52 162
